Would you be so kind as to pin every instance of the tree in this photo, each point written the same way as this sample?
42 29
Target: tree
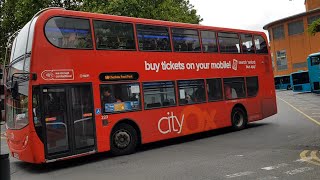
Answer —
314 27
15 14
168 10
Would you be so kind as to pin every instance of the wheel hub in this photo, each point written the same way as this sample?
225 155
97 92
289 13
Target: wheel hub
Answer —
122 139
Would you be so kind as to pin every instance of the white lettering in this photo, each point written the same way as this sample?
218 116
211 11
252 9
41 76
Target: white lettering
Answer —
171 119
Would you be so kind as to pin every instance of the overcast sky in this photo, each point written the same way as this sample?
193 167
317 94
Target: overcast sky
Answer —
245 14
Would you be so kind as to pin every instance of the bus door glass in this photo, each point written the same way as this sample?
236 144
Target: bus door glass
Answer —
68 119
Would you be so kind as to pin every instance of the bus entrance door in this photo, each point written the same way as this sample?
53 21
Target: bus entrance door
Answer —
69 121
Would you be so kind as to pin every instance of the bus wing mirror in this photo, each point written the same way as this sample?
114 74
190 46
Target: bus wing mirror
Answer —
15 89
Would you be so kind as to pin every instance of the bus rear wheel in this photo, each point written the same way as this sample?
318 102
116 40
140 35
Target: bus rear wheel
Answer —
124 140
238 118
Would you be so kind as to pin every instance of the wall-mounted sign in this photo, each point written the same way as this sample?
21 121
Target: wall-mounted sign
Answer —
119 76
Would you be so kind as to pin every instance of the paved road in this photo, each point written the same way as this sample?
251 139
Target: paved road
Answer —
285 146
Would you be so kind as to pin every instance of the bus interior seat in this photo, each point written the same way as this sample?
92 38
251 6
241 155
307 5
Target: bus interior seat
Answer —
158 104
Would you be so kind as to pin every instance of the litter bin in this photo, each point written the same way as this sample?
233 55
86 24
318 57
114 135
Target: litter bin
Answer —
4 167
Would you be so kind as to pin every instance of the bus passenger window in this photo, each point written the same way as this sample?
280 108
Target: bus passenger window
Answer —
153 38
191 91
234 88
315 61
185 40
120 97
209 41
114 35
214 88
261 45
159 94
252 86
71 33
229 42
247 44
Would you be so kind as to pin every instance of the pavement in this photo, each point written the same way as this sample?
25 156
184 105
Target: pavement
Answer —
284 146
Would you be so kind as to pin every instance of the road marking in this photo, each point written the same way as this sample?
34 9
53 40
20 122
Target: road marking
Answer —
274 167
310 118
314 156
299 170
240 174
315 116
303 155
268 178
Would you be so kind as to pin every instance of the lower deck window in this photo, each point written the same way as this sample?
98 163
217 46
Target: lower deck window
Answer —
234 88
191 91
159 94
120 97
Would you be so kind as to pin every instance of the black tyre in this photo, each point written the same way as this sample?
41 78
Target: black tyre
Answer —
238 118
124 140
288 87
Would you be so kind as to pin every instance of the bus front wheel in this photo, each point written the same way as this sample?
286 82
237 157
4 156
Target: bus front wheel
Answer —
238 118
124 139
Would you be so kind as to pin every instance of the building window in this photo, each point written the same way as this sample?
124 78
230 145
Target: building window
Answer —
159 94
282 60
153 38
313 18
234 88
191 91
252 86
299 65
214 88
295 27
278 32
120 97
229 42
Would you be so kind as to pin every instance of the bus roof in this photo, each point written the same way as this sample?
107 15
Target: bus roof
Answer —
314 54
300 71
61 12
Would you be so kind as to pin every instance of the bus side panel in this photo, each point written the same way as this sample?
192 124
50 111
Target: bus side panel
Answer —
166 123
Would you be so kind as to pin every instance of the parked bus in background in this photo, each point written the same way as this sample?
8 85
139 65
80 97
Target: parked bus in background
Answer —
282 82
79 83
314 71
300 81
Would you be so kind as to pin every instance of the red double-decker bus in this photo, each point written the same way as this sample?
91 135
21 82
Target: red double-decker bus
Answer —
80 83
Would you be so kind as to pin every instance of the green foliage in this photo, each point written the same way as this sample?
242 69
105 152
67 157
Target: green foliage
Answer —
314 27
14 14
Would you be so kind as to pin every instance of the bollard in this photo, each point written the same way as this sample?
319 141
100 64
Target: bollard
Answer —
4 167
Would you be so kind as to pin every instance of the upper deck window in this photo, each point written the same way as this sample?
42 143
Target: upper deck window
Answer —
229 42
247 44
65 32
185 40
261 45
114 35
209 41
153 38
